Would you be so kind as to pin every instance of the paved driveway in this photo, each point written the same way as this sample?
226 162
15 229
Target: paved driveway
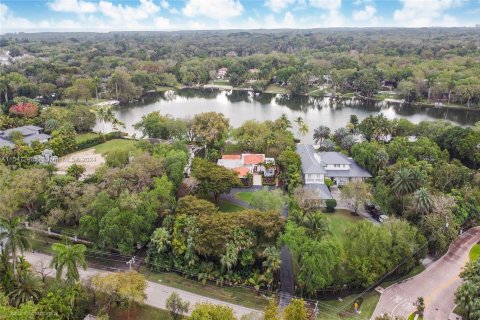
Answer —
437 284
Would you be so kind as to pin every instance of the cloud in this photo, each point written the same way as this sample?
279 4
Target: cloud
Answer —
326 4
214 9
128 15
426 13
278 5
366 14
75 6
164 4
162 23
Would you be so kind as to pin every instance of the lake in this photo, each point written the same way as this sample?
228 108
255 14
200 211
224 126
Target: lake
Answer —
240 106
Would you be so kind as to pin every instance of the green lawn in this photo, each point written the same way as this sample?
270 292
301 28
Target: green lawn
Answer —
116 144
245 196
475 252
275 88
221 82
370 300
412 316
383 96
226 206
144 312
243 297
85 136
339 221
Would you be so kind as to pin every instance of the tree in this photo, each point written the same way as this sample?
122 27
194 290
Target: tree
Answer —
298 83
16 235
27 288
408 91
320 134
210 127
121 86
405 181
420 306
83 119
271 311
207 311
356 193
155 125
76 170
70 257
213 178
105 115
81 89
176 306
24 109
126 288
422 201
268 200
296 310
467 295
55 305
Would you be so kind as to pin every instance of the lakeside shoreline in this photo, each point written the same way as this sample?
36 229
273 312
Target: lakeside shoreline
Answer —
355 97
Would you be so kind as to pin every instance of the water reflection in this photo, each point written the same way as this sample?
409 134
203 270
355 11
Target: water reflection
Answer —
240 106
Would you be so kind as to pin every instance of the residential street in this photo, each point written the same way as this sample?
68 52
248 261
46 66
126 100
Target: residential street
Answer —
157 294
437 284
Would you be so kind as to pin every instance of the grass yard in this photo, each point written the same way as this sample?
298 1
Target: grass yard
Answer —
221 83
339 221
412 316
275 88
385 95
144 312
79 138
116 144
234 295
245 196
329 308
227 206
475 252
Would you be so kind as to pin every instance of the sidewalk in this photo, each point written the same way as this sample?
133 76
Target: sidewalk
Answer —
157 294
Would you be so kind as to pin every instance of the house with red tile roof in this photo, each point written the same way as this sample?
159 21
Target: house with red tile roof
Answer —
246 163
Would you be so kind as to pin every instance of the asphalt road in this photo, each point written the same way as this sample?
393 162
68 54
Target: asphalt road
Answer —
157 294
437 284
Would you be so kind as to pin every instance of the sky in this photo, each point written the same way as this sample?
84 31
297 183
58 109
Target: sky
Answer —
136 15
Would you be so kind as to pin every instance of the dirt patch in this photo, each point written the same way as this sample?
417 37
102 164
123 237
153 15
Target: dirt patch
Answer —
88 158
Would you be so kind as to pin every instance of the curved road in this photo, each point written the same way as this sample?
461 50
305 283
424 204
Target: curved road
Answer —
437 284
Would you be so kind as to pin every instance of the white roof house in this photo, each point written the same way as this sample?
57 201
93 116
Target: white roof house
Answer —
316 166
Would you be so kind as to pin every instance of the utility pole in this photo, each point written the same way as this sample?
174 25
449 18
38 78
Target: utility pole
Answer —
130 262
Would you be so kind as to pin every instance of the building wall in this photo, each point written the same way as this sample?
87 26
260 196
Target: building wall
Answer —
311 178
337 167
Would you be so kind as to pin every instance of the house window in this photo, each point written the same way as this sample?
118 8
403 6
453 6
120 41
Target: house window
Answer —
336 165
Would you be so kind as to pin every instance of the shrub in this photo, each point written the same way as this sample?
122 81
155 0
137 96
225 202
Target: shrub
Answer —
330 205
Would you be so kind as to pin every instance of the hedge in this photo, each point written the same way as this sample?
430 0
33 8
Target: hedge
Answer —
98 140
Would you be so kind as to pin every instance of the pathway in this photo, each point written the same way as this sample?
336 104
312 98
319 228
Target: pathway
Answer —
437 284
157 294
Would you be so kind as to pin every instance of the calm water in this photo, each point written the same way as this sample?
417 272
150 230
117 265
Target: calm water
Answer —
240 106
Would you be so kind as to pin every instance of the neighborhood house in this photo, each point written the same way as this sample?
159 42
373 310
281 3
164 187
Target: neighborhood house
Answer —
29 134
222 73
316 166
246 163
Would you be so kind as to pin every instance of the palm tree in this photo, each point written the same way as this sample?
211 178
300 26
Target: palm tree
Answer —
303 129
327 145
27 288
105 114
320 134
272 259
316 223
298 121
348 142
70 257
17 236
270 140
161 239
284 122
405 181
422 201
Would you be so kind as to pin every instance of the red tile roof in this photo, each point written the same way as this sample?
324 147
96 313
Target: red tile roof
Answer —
242 171
253 158
231 157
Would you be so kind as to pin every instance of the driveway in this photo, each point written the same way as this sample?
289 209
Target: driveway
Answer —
157 294
437 284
